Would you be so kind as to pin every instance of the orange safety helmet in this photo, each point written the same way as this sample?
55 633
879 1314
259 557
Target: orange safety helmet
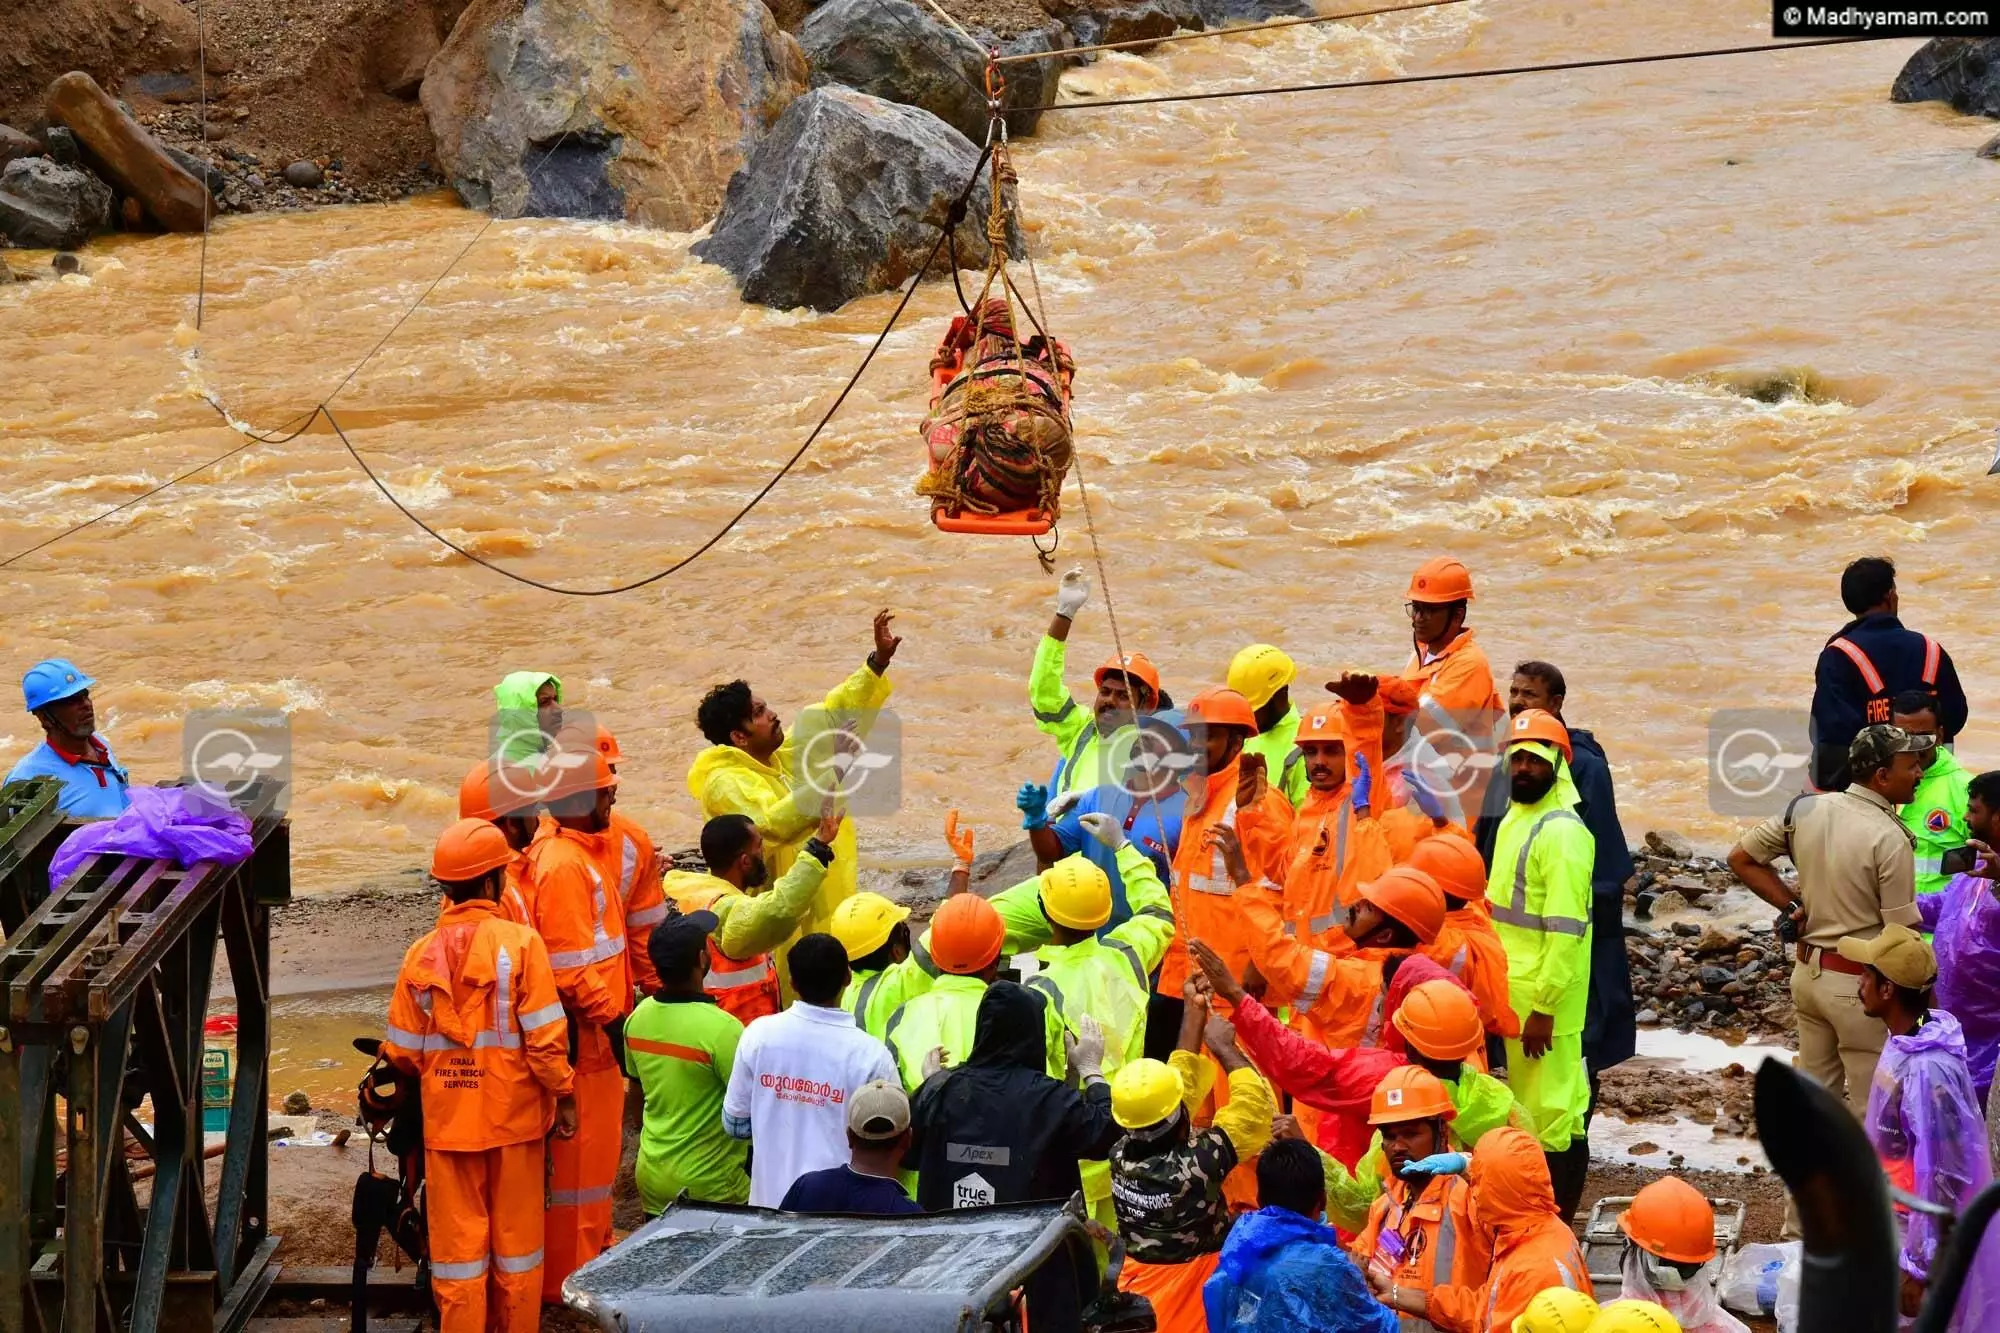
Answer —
1133 666
1323 726
1671 1219
607 745
572 772
1440 581
1409 1092
1411 897
1532 724
966 934
468 849
1453 862
481 797
1223 707
1440 1021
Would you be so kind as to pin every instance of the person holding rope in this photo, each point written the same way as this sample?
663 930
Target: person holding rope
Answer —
1089 745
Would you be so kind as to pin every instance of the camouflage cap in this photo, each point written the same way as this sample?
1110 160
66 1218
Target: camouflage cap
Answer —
1874 746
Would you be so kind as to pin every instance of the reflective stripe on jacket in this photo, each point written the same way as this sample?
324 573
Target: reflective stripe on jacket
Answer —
642 904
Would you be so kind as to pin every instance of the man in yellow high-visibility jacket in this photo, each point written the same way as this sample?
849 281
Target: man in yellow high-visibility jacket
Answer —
1538 890
1128 688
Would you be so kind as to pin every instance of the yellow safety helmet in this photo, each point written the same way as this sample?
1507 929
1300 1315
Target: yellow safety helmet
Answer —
863 923
1075 893
1634 1317
1260 671
1144 1093
1558 1310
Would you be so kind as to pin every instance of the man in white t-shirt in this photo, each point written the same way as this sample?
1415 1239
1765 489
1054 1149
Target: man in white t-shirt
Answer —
795 1071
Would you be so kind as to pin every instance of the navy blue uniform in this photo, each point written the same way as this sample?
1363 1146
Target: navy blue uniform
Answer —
1863 667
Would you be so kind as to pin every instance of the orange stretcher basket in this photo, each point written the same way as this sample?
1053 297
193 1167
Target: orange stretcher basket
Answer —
1008 523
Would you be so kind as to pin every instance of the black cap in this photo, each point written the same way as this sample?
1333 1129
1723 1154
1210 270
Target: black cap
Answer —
678 941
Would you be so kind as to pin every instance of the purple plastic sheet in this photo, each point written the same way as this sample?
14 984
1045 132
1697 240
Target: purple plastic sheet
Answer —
179 824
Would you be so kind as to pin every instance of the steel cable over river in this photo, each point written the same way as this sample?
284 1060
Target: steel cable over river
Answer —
1319 337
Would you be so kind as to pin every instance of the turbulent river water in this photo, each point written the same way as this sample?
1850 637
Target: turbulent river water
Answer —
1321 338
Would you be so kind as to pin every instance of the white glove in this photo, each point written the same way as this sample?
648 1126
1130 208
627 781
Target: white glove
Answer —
1086 1048
1075 591
934 1061
1062 804
1104 828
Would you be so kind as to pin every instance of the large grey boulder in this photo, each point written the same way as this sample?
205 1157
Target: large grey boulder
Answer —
843 198
637 110
1964 71
1097 22
1222 13
898 50
44 206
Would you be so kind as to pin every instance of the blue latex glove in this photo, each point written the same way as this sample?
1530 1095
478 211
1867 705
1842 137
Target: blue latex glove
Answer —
1364 782
1426 799
1033 803
1437 1164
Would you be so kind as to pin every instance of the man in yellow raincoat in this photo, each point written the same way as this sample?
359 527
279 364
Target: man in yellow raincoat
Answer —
753 768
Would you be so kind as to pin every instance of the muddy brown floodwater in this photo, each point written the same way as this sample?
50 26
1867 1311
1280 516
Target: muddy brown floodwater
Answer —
1321 338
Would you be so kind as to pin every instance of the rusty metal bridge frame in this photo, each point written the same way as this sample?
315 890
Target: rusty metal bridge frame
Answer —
105 985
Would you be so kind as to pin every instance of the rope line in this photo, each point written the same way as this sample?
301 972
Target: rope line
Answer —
1299 21
951 222
1446 77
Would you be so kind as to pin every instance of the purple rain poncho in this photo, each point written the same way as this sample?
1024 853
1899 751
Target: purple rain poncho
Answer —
1965 919
1929 1131
178 824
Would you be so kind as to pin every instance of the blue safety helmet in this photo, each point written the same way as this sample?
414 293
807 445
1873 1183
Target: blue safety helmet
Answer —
53 681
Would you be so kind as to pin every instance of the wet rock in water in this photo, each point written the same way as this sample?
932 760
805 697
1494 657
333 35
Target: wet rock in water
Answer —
1668 901
1669 843
844 198
65 264
131 158
304 175
297 1103
15 144
1098 22
44 205
1964 71
627 110
897 50
1715 939
1990 150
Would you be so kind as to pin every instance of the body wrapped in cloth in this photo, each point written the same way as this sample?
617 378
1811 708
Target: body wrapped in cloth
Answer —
998 431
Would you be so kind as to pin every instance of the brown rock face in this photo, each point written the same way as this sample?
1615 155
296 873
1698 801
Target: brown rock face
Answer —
638 110
133 160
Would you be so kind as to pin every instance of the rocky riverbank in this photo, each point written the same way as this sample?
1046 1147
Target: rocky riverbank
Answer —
1703 951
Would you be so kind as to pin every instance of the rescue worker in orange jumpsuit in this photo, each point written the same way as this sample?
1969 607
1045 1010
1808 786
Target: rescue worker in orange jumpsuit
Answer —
1420 1232
640 869
1236 797
1533 1249
1413 789
579 916
1337 844
474 1016
753 916
1339 1000
511 800
1459 711
1450 670
1467 945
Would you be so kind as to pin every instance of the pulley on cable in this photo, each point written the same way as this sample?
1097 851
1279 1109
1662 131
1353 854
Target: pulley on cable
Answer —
997 435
